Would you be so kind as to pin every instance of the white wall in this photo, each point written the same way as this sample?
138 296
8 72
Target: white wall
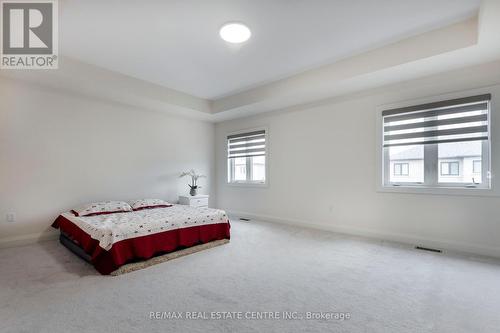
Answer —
311 183
59 150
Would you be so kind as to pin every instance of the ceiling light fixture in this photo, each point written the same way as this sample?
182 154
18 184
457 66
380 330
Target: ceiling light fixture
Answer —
235 32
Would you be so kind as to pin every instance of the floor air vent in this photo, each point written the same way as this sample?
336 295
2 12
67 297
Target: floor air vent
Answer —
244 219
428 249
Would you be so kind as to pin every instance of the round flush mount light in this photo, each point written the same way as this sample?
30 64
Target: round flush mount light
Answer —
235 32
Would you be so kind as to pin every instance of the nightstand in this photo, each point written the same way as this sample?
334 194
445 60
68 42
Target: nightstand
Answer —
194 201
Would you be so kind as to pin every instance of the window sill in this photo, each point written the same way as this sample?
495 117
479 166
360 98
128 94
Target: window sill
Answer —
244 184
460 191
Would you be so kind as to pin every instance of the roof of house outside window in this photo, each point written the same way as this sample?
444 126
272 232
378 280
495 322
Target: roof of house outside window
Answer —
457 150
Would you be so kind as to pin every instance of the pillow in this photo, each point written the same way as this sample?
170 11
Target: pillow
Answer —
100 208
149 203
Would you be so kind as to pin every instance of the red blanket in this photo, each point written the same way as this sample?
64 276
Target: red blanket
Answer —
141 248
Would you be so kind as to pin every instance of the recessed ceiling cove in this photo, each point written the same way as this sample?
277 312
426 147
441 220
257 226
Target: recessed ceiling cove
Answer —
176 44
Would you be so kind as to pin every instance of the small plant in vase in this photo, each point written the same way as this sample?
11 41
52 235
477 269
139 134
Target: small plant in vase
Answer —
194 181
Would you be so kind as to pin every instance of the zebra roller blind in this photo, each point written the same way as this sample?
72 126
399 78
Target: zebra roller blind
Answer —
246 144
457 120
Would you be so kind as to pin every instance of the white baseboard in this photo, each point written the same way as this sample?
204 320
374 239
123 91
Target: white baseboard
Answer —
448 245
28 239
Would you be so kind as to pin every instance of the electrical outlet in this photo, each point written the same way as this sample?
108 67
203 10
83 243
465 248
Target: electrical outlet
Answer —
10 217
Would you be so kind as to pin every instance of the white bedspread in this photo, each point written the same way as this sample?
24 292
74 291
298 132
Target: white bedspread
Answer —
112 228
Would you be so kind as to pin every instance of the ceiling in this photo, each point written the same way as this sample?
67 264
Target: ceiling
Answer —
175 44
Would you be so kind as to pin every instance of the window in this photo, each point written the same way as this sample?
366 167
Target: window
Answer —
401 169
450 168
476 166
442 144
246 158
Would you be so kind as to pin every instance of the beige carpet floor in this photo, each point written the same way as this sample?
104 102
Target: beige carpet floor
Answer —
266 267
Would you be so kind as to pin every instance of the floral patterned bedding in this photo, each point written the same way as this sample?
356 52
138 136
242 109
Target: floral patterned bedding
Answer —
112 228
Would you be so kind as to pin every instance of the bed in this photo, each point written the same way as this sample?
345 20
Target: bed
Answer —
112 240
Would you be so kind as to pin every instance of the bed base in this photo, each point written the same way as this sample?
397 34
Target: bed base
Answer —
73 247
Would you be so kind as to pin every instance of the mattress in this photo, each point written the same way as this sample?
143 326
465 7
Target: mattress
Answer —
113 240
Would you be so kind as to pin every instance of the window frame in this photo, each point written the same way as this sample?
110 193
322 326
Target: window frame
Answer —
431 185
230 162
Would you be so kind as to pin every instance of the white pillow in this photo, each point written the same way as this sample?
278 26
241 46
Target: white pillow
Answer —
149 203
104 207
